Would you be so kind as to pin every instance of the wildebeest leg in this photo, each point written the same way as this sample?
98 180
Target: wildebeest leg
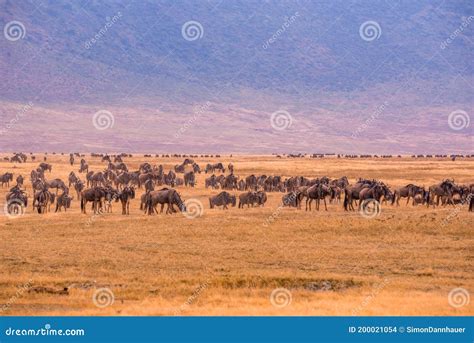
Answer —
325 206
162 206
408 200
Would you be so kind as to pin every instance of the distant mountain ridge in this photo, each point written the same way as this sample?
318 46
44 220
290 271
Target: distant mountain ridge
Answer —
330 65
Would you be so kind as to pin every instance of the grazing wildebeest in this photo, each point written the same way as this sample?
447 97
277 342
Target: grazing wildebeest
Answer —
247 198
408 191
6 178
163 196
179 168
56 183
222 199
63 201
46 166
210 168
190 179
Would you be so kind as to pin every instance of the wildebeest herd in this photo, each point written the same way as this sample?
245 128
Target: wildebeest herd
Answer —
116 183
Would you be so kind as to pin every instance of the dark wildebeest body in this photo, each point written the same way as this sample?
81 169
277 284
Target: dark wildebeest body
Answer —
163 196
125 195
6 178
409 191
222 199
247 198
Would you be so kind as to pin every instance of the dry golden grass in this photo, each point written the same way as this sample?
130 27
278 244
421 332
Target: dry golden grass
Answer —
404 262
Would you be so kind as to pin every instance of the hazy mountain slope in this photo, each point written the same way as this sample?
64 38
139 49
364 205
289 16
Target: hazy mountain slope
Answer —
317 67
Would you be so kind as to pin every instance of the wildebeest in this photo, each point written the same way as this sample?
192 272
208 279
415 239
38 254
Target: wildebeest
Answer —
190 179
6 178
95 195
84 167
247 198
261 198
63 201
442 190
46 166
317 192
17 200
290 199
125 195
163 196
210 168
408 191
222 199
56 183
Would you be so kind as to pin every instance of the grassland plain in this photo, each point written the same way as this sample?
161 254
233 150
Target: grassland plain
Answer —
404 262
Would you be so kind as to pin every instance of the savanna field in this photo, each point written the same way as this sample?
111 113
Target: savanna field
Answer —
229 262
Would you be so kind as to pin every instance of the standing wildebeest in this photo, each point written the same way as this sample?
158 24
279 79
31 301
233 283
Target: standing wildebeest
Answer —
196 168
63 201
19 180
84 167
261 198
251 182
46 166
231 168
125 195
222 199
94 195
409 191
247 198
6 178
317 192
17 201
163 196
352 193
41 200
470 197
72 178
211 182
190 179
230 182
71 159
79 187
375 192
443 189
